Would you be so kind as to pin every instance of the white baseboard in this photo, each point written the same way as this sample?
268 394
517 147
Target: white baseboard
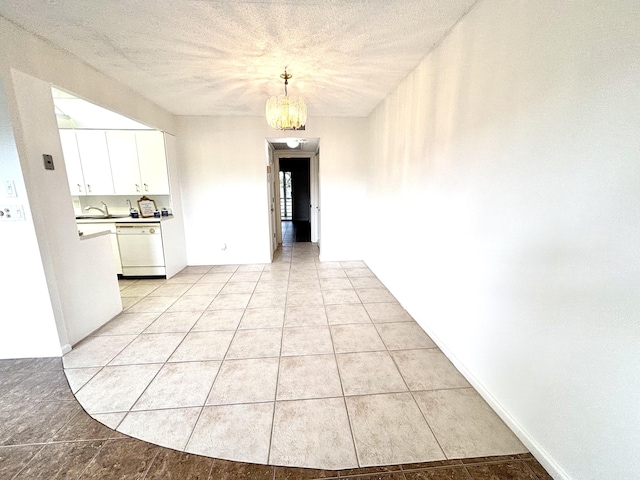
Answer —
536 449
66 349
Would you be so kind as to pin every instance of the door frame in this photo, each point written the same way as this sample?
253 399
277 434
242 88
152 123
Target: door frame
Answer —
314 214
314 181
273 200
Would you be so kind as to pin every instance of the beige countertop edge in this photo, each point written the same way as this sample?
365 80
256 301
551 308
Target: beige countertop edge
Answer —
80 221
87 236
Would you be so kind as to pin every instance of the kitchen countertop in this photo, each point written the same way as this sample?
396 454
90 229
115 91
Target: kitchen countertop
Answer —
123 220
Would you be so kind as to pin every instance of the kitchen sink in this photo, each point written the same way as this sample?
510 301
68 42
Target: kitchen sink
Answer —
99 217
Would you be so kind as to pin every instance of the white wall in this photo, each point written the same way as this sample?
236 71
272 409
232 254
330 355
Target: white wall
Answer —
223 170
173 238
38 246
342 160
509 163
82 269
28 327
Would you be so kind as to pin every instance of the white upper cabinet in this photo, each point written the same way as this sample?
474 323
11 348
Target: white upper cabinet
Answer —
152 159
94 156
72 162
124 162
115 162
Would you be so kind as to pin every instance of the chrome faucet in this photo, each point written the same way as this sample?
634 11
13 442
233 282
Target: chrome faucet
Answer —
104 212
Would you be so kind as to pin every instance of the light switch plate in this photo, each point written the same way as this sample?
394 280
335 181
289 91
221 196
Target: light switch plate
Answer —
10 189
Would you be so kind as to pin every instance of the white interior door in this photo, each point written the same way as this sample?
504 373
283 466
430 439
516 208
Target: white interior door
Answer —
314 214
272 209
272 175
276 186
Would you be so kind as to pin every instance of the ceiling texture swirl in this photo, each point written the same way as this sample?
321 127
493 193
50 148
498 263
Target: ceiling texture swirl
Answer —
200 57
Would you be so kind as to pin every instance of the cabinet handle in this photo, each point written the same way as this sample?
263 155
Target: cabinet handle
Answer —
79 189
146 187
137 188
88 188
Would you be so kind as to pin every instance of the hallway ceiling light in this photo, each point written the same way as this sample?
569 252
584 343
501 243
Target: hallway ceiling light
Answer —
293 143
284 112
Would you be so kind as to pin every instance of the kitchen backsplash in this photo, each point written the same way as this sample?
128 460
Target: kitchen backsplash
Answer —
117 204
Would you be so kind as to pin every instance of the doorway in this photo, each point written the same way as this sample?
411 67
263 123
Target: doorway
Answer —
295 199
293 174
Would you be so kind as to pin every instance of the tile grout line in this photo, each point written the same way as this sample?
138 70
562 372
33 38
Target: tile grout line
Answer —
29 462
167 360
528 468
213 462
212 384
90 462
418 406
151 463
101 367
413 397
163 363
344 399
275 399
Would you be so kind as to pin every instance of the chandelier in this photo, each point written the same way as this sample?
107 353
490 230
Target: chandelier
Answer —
284 112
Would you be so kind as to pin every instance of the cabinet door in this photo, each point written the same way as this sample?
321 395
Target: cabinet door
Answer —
153 162
94 156
72 162
124 162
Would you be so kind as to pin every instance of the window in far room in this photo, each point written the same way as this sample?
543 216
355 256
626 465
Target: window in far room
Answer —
286 202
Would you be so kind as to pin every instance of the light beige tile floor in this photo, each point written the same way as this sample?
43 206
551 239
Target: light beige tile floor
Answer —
298 363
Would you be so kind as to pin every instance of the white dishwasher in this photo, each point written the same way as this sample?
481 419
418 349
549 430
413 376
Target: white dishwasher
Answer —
141 249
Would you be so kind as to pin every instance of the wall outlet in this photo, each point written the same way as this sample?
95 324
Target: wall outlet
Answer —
11 213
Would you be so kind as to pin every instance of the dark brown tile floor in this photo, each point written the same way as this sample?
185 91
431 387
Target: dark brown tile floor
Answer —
45 434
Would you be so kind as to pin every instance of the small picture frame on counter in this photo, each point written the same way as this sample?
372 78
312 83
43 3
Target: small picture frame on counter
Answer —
147 207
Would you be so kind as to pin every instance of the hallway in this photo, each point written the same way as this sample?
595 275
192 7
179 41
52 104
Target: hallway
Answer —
295 231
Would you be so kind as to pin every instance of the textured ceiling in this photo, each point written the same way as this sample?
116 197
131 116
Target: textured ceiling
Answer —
200 57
